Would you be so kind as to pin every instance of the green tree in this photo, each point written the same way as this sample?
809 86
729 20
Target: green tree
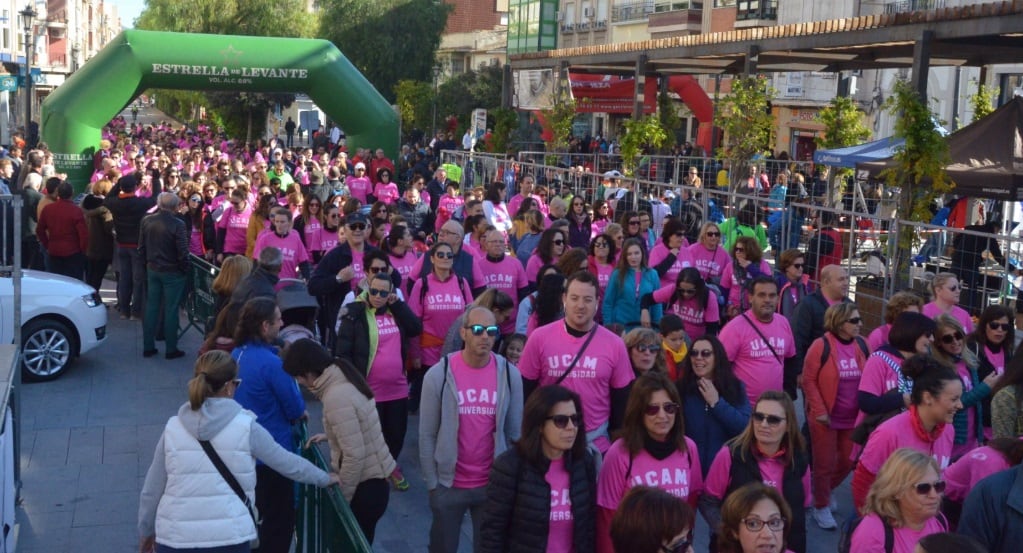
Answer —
415 104
667 113
641 135
559 120
387 40
506 121
843 126
463 93
919 169
982 103
744 115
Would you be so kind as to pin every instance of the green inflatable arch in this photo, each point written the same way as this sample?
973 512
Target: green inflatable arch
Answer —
74 114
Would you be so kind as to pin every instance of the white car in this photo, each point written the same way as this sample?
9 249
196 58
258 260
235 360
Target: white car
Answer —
61 319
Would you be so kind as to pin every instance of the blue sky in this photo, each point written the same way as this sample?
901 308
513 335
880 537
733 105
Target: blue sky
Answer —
129 10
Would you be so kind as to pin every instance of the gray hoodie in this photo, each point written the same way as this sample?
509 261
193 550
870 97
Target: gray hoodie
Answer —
204 424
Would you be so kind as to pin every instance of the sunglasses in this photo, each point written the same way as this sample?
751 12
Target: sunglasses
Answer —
702 353
687 291
559 242
334 215
797 265
952 338
713 234
444 255
772 420
999 326
478 330
668 407
680 547
375 270
357 226
925 488
600 244
953 288
855 320
754 524
737 250
378 293
561 421
649 348
633 223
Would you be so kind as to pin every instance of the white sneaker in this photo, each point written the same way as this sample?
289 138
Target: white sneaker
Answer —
824 519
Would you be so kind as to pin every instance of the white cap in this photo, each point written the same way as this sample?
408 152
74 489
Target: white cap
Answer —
613 175
360 165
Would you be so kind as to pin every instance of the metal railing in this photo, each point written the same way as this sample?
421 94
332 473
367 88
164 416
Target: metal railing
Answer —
903 6
632 11
325 523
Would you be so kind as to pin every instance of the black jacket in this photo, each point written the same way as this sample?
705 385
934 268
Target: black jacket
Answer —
258 284
516 516
163 243
324 285
353 335
129 211
417 217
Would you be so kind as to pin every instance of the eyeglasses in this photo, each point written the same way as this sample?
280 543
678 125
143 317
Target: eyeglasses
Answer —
444 255
600 244
687 291
375 270
772 420
559 242
925 488
195 199
797 265
334 215
378 293
713 234
999 326
754 524
649 348
680 547
561 421
855 320
357 226
668 407
478 330
952 338
702 353
633 223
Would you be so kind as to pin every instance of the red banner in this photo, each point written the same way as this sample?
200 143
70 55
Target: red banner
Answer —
610 94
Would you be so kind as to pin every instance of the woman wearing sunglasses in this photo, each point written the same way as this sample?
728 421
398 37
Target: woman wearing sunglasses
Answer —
580 229
630 281
831 378
747 263
551 246
645 351
905 498
651 520
690 299
755 519
925 427
946 291
772 449
540 495
671 253
712 260
652 450
714 399
949 341
309 223
793 282
992 342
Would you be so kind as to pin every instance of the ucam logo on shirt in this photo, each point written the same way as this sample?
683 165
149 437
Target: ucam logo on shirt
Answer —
758 348
472 401
585 368
445 301
672 480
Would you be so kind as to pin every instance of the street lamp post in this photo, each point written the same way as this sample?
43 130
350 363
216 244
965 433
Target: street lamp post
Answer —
28 16
436 80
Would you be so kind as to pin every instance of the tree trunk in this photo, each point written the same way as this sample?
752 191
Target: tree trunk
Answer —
248 132
904 240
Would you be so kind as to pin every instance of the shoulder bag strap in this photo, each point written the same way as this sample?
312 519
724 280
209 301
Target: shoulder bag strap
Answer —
228 477
578 354
764 338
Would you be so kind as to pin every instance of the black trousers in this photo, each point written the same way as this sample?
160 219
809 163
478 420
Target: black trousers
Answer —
275 499
393 423
368 505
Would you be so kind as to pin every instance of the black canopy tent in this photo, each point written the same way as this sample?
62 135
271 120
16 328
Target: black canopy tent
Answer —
987 156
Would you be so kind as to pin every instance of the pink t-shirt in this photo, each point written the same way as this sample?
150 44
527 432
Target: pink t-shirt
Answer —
441 306
195 242
736 290
387 373
752 359
694 318
236 225
311 233
709 262
516 201
996 359
477 421
446 207
932 310
328 239
386 192
869 535
971 468
878 375
679 474
533 267
879 337
660 252
846 408
772 472
359 188
508 276
560 532
404 266
604 275
292 250
898 432
605 365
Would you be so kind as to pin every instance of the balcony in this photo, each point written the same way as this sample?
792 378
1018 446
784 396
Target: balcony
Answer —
675 19
633 11
903 6
756 13
568 27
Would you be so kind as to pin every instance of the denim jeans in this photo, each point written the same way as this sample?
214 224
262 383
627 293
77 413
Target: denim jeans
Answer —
131 281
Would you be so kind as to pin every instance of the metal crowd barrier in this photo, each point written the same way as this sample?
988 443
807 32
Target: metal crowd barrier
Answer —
325 523
200 300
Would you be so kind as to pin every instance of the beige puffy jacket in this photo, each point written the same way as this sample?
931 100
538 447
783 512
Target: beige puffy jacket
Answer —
352 426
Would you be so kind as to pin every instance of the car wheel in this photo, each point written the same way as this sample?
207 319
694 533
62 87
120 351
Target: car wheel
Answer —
46 350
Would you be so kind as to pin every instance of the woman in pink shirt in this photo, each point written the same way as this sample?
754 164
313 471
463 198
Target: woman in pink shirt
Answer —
601 219
747 263
755 519
946 290
602 260
401 253
771 450
883 388
906 497
692 301
999 454
385 190
830 383
671 253
949 348
926 426
540 496
309 223
992 343
653 450
438 299
899 303
551 246
712 260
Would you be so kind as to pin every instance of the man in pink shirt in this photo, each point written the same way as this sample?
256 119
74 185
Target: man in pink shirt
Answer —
526 189
503 272
471 412
584 357
759 341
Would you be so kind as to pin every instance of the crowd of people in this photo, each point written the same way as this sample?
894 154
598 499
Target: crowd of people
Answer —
587 372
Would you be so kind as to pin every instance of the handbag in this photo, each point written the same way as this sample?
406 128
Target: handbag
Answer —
235 486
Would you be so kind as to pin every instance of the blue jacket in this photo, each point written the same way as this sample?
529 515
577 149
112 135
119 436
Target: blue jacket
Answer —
268 391
993 512
776 235
622 304
711 428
